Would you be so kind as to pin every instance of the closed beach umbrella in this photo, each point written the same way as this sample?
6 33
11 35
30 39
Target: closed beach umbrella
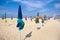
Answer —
20 23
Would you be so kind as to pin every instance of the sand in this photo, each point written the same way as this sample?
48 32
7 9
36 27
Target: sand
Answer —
9 31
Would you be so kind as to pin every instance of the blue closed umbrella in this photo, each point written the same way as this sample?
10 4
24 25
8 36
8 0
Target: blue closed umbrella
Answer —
20 23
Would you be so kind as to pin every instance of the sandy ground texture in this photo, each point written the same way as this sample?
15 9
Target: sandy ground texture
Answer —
50 30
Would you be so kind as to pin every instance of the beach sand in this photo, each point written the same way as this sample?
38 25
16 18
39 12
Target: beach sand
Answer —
9 31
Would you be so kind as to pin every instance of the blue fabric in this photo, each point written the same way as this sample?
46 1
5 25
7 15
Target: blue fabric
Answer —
19 13
20 24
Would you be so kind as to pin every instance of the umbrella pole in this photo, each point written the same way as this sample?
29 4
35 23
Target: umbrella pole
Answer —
20 35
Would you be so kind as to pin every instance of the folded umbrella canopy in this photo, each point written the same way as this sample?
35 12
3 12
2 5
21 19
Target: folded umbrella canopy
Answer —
20 23
5 20
37 18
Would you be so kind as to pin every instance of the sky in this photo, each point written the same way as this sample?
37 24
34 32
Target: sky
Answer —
30 7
